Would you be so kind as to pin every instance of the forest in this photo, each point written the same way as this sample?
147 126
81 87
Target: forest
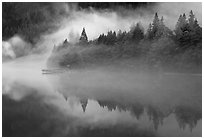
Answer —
159 48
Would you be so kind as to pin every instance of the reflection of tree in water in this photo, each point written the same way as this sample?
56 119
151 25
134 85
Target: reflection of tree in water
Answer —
109 104
187 116
135 109
184 115
84 103
156 116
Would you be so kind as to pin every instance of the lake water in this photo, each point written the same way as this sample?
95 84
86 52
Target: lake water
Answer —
100 102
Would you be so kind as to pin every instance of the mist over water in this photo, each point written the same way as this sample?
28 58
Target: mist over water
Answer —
103 99
100 100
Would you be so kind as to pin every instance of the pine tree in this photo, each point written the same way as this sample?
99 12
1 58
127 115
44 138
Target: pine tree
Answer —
191 19
195 29
162 30
83 38
120 37
196 33
149 34
158 29
155 24
137 33
188 32
181 26
111 38
178 26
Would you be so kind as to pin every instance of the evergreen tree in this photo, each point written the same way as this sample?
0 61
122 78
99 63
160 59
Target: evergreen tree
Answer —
155 24
158 29
111 38
180 26
195 29
191 19
137 33
121 36
101 39
188 32
149 34
162 30
83 38
196 33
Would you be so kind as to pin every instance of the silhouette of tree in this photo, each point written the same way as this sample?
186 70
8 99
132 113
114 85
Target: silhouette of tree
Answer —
191 19
155 116
187 116
149 34
155 24
110 105
195 29
137 110
137 33
163 31
83 38
180 25
188 32
84 103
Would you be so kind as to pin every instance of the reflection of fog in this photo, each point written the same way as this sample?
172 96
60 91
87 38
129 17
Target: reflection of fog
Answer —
89 104
33 117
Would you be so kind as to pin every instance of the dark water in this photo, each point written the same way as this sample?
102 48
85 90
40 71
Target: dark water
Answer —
101 103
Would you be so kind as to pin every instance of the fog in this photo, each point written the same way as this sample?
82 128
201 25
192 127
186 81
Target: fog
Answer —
23 63
100 83
123 88
96 22
29 59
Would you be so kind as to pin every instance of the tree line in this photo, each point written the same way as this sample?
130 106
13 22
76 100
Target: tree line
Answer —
159 46
187 33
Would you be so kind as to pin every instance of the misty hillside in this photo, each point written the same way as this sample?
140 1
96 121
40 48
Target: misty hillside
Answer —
132 35
157 48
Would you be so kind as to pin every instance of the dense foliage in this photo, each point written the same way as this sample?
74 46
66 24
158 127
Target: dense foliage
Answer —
29 20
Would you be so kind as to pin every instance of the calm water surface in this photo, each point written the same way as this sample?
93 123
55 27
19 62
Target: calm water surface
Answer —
100 102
